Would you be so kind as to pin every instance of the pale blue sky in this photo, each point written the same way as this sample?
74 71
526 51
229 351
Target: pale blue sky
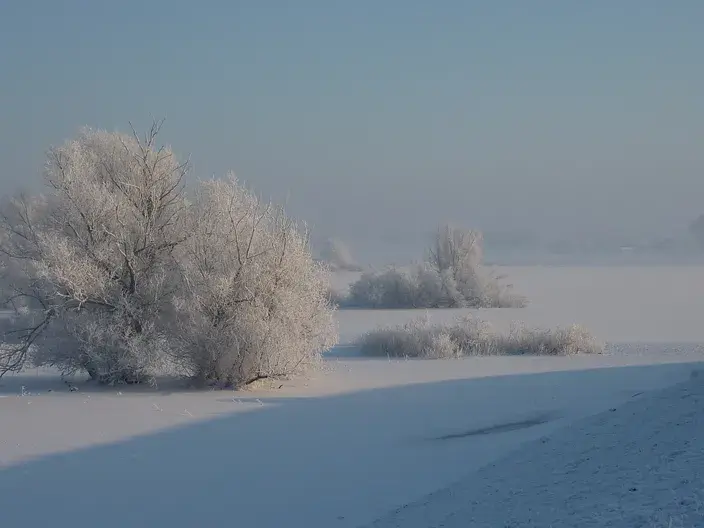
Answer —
547 114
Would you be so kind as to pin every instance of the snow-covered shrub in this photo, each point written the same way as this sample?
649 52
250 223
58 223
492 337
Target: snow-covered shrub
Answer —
119 272
416 338
571 340
93 259
418 286
393 288
475 337
468 336
254 304
452 277
422 338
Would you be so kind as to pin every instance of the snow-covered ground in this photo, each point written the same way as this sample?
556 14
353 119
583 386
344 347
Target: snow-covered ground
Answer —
621 304
365 437
637 465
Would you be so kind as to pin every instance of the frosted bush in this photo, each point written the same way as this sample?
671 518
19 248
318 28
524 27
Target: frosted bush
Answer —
468 336
92 261
571 340
474 337
392 288
120 272
416 338
254 304
452 277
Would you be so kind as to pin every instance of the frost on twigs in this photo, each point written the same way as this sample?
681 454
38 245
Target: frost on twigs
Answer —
121 272
468 336
452 276
253 305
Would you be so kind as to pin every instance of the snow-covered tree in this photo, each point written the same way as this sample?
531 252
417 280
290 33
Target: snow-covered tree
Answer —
101 270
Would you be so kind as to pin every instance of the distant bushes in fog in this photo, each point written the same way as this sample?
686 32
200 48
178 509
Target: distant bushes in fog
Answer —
451 277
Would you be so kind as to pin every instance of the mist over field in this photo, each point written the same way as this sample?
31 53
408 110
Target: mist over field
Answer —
560 126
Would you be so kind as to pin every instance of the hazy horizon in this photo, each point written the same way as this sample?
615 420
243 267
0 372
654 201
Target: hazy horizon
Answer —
382 120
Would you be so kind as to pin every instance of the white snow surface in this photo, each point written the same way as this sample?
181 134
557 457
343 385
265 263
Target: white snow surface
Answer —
476 442
637 465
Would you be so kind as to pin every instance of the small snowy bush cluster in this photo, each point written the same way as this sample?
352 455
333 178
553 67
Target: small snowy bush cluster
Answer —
468 336
421 286
123 272
418 287
567 341
452 276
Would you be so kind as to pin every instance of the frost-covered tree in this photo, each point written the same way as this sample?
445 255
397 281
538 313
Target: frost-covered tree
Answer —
91 261
457 255
456 250
96 271
254 304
